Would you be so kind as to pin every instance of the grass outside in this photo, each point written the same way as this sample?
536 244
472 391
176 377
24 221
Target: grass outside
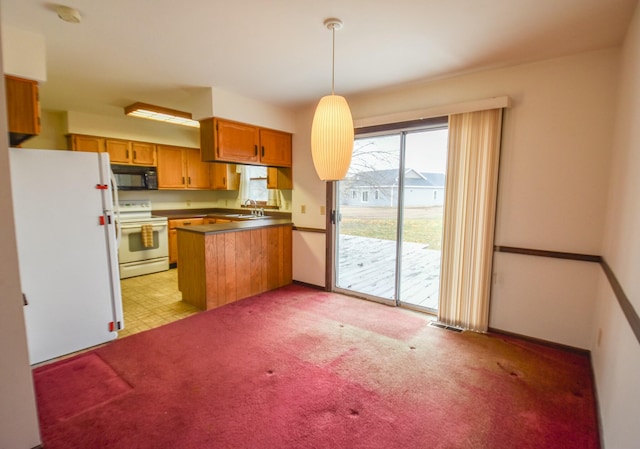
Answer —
421 225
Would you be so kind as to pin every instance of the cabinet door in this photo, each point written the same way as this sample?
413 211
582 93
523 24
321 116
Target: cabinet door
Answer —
275 148
90 144
279 178
171 167
119 151
23 106
173 246
224 176
236 142
143 153
198 172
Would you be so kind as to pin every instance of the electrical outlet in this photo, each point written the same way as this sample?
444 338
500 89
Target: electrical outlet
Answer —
323 210
303 209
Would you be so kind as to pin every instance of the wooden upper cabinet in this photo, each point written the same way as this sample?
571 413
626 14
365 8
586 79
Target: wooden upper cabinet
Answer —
224 176
279 178
119 150
197 172
182 168
91 144
143 153
131 153
23 108
236 142
171 167
275 148
228 141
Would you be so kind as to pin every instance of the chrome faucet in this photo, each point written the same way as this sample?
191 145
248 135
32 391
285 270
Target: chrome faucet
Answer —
254 209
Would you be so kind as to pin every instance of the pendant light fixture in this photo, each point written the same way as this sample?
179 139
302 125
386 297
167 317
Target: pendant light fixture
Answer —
332 128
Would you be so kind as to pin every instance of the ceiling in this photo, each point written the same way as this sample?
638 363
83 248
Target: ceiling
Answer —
279 52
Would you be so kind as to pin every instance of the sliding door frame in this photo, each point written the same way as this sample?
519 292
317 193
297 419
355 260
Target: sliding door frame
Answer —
402 128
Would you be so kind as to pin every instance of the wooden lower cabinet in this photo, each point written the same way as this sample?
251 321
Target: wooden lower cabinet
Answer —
219 268
173 234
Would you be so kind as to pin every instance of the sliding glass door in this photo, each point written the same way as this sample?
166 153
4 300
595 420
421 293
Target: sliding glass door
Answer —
389 218
367 219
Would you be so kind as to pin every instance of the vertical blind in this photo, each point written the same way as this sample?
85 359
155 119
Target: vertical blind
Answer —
469 218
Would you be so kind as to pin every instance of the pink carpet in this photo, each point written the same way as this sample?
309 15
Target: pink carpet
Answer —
299 368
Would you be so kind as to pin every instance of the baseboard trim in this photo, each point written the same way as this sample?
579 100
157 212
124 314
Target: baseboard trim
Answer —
313 230
550 344
313 286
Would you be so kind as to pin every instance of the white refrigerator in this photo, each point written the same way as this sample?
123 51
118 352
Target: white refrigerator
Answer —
67 251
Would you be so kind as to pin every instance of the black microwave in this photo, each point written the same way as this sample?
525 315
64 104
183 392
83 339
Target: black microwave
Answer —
132 177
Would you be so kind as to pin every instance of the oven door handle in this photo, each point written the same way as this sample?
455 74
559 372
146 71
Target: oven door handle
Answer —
129 227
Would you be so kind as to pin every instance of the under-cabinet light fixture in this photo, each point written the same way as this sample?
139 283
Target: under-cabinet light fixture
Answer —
152 112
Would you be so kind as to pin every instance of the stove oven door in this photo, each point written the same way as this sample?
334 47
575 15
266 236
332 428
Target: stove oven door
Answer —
134 248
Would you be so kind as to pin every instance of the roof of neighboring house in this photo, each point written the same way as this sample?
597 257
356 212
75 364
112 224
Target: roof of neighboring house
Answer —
384 178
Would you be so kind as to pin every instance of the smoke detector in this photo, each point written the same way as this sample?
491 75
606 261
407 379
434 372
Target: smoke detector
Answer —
68 14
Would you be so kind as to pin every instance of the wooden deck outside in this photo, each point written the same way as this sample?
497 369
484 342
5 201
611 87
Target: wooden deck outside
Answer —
367 265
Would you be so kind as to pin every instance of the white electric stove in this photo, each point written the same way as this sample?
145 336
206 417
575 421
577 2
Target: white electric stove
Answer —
137 255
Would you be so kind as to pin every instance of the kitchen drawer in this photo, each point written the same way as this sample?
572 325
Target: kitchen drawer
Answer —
177 222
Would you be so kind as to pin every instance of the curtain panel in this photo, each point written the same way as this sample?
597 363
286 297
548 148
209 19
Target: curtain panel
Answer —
469 219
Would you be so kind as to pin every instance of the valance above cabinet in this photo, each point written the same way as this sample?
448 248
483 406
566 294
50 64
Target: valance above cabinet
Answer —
228 141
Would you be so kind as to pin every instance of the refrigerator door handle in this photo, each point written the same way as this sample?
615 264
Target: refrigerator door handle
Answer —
25 302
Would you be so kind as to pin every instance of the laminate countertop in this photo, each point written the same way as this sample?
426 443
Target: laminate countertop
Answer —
235 226
215 213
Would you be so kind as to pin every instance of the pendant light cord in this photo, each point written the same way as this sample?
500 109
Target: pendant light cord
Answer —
333 58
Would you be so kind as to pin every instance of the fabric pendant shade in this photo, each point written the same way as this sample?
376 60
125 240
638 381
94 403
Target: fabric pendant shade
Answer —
332 138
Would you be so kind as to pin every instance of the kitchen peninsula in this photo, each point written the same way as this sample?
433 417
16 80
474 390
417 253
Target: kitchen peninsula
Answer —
222 263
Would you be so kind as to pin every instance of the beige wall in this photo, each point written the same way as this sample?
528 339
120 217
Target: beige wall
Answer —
616 358
23 53
18 418
308 193
552 193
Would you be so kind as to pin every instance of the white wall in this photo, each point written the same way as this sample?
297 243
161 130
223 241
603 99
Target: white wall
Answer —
18 416
553 176
616 359
132 128
308 194
23 53
216 102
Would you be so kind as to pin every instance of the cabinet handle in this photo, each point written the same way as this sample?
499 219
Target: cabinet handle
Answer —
189 180
224 181
126 154
134 155
255 149
218 151
186 223
183 180
262 150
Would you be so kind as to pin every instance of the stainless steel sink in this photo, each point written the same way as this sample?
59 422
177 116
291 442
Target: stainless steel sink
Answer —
244 216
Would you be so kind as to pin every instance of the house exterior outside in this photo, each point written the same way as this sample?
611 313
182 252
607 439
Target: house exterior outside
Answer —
379 188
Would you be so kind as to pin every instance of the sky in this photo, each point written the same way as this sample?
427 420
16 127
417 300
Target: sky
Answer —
426 151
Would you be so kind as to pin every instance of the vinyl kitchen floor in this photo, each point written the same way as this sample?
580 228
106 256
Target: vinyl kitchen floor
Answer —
152 300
